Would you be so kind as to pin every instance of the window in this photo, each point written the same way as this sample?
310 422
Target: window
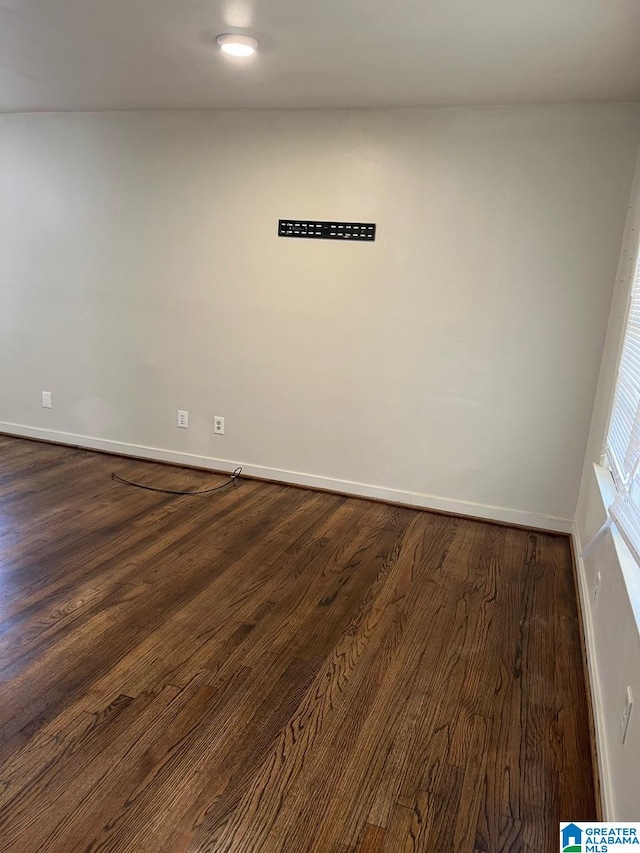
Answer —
623 440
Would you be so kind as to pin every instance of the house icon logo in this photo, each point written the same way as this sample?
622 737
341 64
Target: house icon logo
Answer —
571 838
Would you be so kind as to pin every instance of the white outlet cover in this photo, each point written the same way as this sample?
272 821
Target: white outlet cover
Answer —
46 400
183 419
218 425
626 714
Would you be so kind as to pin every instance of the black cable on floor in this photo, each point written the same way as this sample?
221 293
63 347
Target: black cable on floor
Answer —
231 479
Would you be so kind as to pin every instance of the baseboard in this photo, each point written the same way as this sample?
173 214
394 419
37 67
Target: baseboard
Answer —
598 741
419 500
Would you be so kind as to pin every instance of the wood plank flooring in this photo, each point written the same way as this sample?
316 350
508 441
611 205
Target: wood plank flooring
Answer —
273 669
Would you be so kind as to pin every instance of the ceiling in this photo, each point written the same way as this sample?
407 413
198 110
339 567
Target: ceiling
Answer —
151 54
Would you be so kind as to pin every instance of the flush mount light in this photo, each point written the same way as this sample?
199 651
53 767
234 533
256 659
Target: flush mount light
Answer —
237 45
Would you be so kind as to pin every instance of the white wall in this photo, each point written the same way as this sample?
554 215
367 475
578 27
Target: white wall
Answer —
612 627
612 620
455 360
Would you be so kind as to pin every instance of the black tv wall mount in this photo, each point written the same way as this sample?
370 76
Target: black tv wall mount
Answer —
316 229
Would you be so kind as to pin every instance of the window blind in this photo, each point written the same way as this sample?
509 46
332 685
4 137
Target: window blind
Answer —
623 439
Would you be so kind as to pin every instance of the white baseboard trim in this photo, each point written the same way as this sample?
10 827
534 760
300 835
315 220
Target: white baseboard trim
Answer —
363 490
606 794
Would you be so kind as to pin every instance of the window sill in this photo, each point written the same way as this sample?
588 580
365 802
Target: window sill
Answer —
628 564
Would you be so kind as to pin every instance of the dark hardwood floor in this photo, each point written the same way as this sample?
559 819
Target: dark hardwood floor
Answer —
272 669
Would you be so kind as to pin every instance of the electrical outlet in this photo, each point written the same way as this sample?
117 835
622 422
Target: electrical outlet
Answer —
596 588
218 425
626 714
46 399
183 419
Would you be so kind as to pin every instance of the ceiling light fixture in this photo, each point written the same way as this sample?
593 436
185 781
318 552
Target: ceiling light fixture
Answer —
237 45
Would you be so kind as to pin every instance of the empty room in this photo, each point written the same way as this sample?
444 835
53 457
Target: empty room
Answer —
319 426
